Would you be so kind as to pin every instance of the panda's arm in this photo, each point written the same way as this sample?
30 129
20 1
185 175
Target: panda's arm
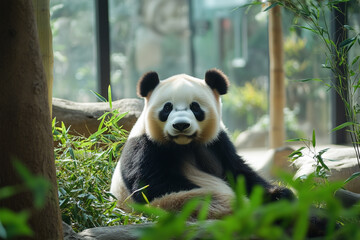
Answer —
224 149
146 163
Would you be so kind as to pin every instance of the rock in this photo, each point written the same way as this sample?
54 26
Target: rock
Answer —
122 232
347 198
341 161
252 138
267 162
83 117
69 233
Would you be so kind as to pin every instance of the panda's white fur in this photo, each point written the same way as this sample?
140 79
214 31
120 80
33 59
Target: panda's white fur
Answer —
179 147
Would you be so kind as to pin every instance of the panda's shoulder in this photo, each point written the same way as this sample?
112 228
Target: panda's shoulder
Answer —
136 146
223 138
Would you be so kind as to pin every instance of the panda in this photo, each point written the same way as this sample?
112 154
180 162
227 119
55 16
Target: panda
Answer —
179 148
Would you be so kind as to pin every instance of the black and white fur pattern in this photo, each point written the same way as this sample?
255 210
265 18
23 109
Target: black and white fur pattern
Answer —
179 147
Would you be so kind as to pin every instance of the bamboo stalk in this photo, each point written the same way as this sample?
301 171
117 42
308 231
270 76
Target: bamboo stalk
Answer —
42 17
277 83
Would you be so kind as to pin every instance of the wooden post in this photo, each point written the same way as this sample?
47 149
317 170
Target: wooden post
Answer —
25 124
42 17
277 85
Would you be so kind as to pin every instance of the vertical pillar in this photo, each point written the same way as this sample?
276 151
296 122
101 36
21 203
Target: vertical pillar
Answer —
103 45
277 83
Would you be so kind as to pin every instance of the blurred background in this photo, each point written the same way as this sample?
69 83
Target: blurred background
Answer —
191 36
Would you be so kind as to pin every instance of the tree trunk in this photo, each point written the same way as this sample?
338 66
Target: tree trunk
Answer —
25 125
277 85
42 17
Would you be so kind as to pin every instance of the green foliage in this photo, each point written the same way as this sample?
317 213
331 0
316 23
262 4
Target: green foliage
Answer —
84 169
345 70
15 224
247 102
322 170
252 219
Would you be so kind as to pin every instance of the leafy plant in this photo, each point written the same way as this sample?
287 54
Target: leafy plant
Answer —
15 224
84 169
252 219
346 71
322 170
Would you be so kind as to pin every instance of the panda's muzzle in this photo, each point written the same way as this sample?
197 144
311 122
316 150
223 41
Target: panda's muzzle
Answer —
182 132
181 127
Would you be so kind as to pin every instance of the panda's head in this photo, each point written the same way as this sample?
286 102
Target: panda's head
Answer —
182 109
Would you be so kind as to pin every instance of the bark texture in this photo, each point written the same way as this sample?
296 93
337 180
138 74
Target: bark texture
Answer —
42 17
25 124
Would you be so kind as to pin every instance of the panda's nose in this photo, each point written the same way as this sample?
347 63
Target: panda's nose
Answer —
181 126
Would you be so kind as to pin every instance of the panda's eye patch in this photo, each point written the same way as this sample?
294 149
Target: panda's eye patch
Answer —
168 107
164 113
198 112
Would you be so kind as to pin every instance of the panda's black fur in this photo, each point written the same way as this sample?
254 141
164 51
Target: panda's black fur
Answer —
179 167
148 165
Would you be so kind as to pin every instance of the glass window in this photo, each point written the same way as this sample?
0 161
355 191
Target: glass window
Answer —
147 36
236 41
181 36
73 30
307 103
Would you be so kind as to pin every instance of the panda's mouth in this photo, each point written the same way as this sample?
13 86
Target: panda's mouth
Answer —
182 138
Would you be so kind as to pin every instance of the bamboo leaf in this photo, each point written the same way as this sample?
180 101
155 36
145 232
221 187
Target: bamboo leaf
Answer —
313 138
71 151
271 6
98 96
145 198
310 79
97 133
297 152
353 176
330 42
355 60
348 27
344 125
323 151
347 41
297 140
309 29
109 97
101 124
321 161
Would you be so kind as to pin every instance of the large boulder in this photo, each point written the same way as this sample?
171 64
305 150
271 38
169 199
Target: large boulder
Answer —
83 117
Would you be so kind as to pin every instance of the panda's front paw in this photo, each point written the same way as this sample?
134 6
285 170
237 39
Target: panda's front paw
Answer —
277 193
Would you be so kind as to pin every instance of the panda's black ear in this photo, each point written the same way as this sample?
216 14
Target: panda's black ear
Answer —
217 80
147 83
